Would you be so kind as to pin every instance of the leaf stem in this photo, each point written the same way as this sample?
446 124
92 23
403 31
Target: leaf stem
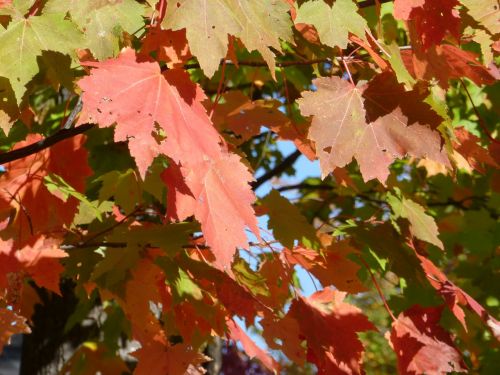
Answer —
379 290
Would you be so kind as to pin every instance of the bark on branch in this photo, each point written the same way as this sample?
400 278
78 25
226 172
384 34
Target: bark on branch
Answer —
43 144
277 170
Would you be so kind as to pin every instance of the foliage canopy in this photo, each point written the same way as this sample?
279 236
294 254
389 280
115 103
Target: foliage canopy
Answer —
131 135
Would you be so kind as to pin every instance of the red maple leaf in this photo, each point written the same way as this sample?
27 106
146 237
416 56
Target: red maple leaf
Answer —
467 145
143 101
433 19
253 351
137 96
331 267
455 297
22 188
445 62
330 327
223 204
421 345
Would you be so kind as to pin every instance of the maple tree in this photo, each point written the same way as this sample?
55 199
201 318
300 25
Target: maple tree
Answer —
154 220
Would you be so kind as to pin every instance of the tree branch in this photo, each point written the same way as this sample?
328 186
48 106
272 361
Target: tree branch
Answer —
33 148
277 170
369 3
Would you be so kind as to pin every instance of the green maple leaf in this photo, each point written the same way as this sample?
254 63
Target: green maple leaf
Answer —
485 12
259 24
102 22
333 24
25 39
287 223
422 225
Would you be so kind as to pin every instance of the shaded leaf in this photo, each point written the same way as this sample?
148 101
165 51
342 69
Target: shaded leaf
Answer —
422 225
287 223
330 327
343 134
417 337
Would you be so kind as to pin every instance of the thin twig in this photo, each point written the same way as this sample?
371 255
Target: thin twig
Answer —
386 305
220 87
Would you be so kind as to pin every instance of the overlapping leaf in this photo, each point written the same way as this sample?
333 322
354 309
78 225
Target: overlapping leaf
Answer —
341 132
23 41
417 336
433 19
422 225
331 331
173 103
333 24
22 187
259 24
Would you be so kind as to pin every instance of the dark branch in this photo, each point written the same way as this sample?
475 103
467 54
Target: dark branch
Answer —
277 170
369 3
305 186
43 144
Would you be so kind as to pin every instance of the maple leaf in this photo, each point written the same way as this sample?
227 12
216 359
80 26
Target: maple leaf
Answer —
136 95
40 261
253 351
467 145
455 297
245 118
173 103
96 358
259 24
284 334
278 277
287 223
383 94
157 356
433 19
331 329
233 296
141 289
422 225
23 41
485 12
224 209
341 134
101 21
445 62
11 324
333 24
22 186
331 266
416 338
